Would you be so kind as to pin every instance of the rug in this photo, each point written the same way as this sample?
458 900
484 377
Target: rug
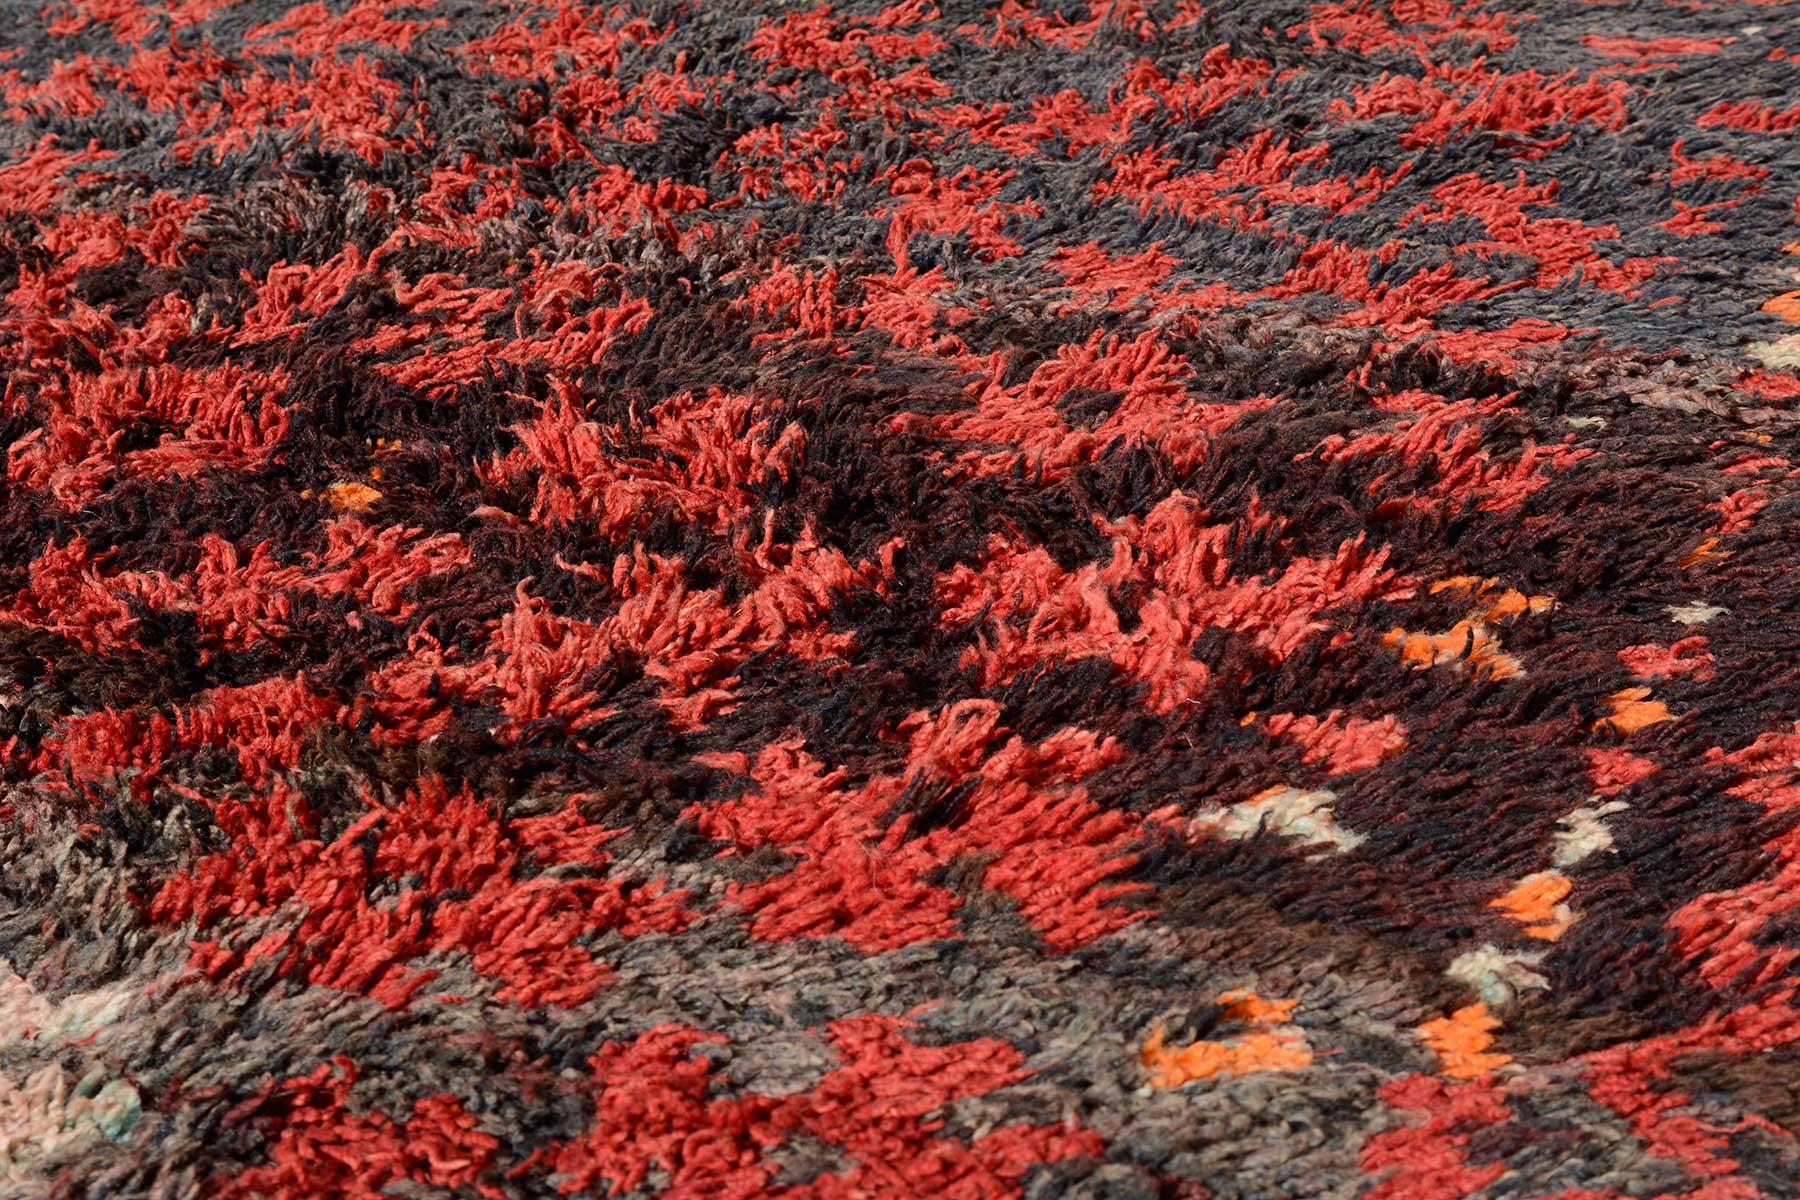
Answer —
970 599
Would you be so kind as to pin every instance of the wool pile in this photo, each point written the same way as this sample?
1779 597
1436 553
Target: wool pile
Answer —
975 599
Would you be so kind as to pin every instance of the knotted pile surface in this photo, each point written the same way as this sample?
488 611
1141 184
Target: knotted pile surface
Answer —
968 599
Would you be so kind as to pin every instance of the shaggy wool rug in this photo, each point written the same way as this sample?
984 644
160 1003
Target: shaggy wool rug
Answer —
968 599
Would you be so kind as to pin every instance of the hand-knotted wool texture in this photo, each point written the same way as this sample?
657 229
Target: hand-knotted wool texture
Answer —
966 599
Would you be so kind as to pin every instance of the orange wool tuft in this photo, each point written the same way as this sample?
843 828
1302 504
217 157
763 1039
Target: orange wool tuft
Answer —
1461 1041
1705 552
1536 902
1632 710
1246 1005
351 497
1786 306
1465 641
1260 1051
